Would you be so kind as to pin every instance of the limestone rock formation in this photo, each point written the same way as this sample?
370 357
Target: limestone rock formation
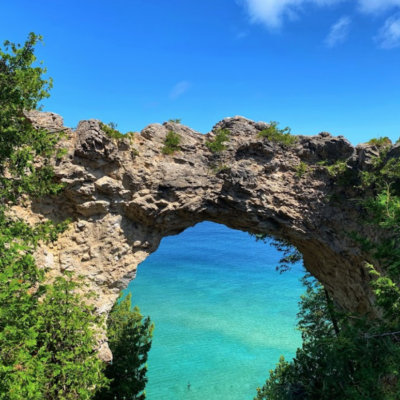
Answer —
123 196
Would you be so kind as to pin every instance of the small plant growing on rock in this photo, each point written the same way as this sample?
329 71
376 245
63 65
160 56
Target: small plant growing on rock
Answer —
301 170
217 144
380 142
337 169
131 137
111 130
276 135
134 152
171 143
61 152
175 121
217 168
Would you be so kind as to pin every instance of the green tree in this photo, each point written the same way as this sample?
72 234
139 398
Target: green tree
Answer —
130 338
46 331
346 355
47 343
22 89
342 356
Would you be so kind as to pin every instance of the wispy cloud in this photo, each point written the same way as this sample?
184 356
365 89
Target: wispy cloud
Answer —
241 35
272 13
339 32
377 6
389 35
179 89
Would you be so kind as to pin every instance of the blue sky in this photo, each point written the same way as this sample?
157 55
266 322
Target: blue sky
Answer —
313 65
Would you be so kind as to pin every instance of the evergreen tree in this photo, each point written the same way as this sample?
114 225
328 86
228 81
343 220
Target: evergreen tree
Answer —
129 338
345 355
46 331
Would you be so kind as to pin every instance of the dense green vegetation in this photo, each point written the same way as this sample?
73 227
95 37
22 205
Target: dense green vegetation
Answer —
344 355
46 335
129 338
171 143
217 145
47 328
22 88
276 135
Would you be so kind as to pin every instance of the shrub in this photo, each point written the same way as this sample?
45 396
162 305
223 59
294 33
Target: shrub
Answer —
301 170
276 135
217 168
175 121
337 169
111 131
380 142
171 143
217 145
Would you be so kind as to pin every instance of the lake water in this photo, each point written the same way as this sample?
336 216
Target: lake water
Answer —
223 315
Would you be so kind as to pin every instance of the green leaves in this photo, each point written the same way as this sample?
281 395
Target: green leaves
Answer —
111 130
349 356
279 136
175 120
291 255
130 338
22 89
352 356
217 145
380 141
171 143
342 356
66 326
47 332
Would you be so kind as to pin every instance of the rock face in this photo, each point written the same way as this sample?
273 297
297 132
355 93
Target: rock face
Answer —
124 196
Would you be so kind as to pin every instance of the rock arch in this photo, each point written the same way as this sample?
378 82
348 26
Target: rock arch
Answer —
124 196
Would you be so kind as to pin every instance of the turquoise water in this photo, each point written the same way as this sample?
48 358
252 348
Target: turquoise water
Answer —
223 315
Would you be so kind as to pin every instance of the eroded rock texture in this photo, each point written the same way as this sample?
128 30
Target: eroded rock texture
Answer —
125 196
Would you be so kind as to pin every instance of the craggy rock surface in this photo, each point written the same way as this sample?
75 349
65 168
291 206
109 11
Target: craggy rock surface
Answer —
124 196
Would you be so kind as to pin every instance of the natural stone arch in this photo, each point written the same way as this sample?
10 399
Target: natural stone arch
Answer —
124 196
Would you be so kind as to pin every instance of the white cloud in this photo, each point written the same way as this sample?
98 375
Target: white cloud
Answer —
339 31
389 35
377 6
179 89
273 12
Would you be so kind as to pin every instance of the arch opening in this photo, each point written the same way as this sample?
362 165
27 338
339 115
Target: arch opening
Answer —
223 314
